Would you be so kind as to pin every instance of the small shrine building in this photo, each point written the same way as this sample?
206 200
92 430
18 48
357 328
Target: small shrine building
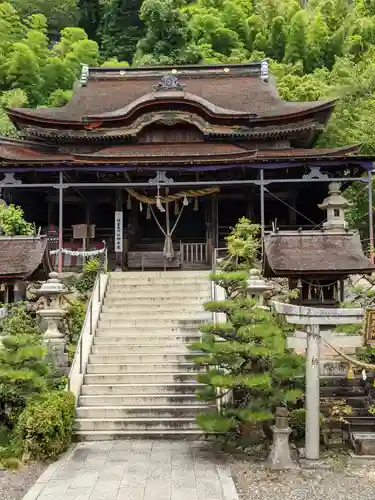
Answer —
160 162
317 262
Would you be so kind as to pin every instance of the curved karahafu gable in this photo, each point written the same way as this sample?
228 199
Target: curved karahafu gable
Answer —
230 96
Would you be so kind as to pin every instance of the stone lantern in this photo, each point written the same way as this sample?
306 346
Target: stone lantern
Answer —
334 205
52 313
280 457
256 286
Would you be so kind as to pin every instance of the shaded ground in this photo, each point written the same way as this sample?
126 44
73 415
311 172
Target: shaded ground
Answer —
15 484
347 480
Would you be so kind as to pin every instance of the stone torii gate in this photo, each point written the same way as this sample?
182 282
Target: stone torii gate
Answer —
312 318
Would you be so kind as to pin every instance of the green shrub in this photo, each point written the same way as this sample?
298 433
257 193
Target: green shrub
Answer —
91 267
45 427
86 281
76 318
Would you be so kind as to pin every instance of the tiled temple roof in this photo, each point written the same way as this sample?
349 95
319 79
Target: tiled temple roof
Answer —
236 90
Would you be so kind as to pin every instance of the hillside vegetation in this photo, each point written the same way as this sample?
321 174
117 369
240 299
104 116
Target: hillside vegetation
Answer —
326 50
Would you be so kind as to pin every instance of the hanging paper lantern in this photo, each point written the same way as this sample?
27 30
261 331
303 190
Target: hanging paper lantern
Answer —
140 207
196 206
185 201
148 212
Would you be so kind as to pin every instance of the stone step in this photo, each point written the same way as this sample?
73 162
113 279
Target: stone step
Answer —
359 424
117 331
144 275
167 288
127 309
140 411
168 367
121 424
160 316
157 340
189 280
123 359
186 434
143 348
159 303
143 378
341 391
152 295
144 400
157 323
364 443
123 389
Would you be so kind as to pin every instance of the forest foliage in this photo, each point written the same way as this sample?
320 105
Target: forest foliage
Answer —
323 51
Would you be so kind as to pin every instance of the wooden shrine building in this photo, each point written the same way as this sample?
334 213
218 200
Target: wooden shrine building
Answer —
22 258
316 262
160 162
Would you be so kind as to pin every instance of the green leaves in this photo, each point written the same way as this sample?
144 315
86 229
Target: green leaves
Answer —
12 222
45 427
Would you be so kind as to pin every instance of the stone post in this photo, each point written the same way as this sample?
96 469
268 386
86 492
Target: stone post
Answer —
52 313
279 457
312 394
312 318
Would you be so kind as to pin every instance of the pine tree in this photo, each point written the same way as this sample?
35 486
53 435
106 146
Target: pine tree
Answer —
24 367
246 355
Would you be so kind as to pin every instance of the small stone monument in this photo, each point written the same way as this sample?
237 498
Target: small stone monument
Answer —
279 457
52 313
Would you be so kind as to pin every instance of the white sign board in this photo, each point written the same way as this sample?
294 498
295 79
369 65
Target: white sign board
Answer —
118 232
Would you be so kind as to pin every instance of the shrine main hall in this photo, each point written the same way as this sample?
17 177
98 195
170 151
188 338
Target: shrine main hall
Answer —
160 162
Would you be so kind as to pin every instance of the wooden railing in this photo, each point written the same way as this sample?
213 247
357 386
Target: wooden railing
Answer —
193 253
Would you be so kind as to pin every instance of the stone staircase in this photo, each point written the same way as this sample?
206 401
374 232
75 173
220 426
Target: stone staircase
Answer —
140 380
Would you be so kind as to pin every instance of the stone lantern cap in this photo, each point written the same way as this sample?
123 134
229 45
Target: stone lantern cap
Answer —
256 285
53 286
334 199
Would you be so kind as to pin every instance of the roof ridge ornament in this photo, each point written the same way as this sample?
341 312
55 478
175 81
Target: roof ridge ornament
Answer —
85 72
169 82
264 73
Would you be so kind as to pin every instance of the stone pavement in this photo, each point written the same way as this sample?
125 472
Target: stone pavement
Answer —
136 470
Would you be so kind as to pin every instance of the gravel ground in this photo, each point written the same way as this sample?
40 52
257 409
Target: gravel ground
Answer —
15 484
344 481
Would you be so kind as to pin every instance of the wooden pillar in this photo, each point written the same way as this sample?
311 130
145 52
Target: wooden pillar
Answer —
262 213
61 221
209 243
135 231
342 287
50 207
215 219
119 208
292 214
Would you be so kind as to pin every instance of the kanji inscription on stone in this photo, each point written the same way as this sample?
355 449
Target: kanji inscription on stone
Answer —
370 324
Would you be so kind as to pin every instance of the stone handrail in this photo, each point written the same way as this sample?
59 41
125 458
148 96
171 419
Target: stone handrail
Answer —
85 341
